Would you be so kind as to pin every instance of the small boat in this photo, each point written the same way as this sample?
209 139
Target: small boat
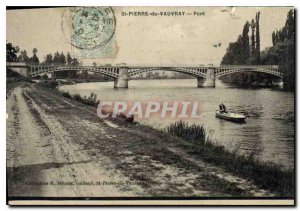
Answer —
234 117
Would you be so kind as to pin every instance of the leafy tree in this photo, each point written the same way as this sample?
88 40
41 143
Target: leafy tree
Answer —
253 50
282 53
59 58
56 58
245 47
69 59
49 59
257 37
75 62
23 57
288 65
34 59
62 58
34 51
273 38
290 25
11 52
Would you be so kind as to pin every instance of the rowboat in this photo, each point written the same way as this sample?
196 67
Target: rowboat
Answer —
234 117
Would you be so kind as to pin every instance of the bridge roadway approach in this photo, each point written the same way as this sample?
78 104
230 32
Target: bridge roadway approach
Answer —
206 76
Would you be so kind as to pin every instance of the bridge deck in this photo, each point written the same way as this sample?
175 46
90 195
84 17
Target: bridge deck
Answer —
130 71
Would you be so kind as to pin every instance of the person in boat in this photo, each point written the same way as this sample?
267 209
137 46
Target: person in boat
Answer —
222 108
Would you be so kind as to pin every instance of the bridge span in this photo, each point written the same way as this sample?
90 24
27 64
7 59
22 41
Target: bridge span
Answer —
206 76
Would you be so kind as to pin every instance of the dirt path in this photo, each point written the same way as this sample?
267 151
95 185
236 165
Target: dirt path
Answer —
40 152
57 147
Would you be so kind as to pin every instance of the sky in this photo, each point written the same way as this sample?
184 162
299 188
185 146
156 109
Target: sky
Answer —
180 40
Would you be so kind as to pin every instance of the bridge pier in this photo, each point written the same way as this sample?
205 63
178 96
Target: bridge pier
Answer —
209 81
28 73
122 81
85 74
53 76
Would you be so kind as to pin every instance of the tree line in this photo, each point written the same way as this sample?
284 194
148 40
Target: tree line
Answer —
246 51
14 54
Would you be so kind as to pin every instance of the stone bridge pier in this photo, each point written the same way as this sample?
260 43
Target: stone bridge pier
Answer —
122 80
53 76
209 81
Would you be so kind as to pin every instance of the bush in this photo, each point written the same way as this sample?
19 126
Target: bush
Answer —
66 94
77 97
91 100
49 84
190 132
12 77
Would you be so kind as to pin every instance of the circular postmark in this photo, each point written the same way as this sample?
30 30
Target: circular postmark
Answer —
92 27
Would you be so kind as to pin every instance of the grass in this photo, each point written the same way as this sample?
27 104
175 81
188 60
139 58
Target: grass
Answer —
91 100
49 84
13 80
191 132
265 175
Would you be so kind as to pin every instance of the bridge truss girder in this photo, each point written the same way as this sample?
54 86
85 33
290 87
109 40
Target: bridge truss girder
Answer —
226 71
192 71
39 70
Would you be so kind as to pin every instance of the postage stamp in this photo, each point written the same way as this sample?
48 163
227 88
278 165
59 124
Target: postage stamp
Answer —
90 30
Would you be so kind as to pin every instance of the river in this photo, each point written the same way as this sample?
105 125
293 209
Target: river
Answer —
269 129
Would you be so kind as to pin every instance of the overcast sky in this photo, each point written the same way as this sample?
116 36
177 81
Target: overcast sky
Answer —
186 40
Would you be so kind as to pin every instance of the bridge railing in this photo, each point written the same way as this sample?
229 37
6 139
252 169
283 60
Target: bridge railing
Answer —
249 66
134 67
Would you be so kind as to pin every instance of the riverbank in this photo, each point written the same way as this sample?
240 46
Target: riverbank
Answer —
67 142
265 175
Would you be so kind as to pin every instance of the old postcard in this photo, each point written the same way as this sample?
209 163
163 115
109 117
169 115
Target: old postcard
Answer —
150 105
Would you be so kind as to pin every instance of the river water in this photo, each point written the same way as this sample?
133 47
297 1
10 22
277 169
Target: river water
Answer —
269 129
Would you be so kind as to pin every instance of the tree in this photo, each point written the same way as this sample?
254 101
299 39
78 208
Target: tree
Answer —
245 47
290 24
288 65
59 58
282 53
69 59
75 62
231 55
257 38
34 51
56 58
34 59
253 50
62 58
11 52
273 38
23 57
49 59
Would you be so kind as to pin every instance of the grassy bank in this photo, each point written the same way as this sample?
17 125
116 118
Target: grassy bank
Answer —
265 175
136 153
13 80
196 141
90 100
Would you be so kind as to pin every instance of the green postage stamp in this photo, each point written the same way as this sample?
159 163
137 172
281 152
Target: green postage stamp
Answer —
91 31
